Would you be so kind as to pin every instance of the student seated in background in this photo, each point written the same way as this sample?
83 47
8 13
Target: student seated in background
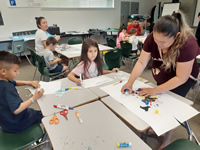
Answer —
52 62
91 64
136 25
41 35
15 114
121 36
134 41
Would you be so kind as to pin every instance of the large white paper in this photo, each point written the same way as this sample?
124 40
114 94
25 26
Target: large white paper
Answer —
96 81
49 87
169 108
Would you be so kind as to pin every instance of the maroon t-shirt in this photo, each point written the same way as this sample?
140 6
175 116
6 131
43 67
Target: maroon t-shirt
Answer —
188 51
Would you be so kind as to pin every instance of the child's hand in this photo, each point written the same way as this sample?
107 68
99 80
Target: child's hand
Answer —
58 60
34 84
38 94
115 70
78 82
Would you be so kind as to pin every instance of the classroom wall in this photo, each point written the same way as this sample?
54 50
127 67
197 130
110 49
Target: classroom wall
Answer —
21 19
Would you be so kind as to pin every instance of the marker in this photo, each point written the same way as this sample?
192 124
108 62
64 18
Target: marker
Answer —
81 78
125 144
38 89
79 118
63 107
126 92
69 88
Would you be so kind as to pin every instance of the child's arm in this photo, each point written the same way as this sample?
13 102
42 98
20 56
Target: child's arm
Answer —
52 62
72 77
28 102
30 83
110 71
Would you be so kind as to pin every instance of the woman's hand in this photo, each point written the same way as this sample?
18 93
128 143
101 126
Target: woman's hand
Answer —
57 37
127 86
147 92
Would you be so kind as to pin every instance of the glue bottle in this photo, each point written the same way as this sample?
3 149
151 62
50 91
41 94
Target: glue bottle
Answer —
124 144
63 107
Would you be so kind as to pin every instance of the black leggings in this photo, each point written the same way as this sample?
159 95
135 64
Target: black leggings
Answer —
183 89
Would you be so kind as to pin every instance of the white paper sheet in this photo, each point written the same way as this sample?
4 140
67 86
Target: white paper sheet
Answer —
161 122
96 81
49 87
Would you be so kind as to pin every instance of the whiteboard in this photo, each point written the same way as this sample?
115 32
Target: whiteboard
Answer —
77 3
168 8
23 3
196 19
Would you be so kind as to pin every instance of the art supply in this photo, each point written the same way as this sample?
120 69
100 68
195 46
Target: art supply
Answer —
69 88
156 111
124 144
81 78
146 108
79 118
117 82
64 113
62 90
126 92
61 106
38 89
140 79
54 119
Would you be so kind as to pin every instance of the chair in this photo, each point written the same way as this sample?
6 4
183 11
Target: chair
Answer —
44 71
18 47
73 41
182 144
113 59
10 141
111 42
126 50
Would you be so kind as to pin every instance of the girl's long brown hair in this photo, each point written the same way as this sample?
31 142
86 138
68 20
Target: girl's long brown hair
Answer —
169 26
85 46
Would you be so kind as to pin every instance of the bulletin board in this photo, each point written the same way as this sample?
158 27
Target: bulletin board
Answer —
24 3
168 8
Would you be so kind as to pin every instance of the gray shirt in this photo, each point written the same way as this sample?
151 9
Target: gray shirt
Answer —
49 56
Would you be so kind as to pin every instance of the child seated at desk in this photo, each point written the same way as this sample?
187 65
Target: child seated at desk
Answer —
15 114
91 64
53 62
121 36
134 41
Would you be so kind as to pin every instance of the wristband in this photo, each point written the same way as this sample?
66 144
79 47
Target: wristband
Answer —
32 100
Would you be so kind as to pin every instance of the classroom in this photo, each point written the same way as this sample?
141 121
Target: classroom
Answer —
100 74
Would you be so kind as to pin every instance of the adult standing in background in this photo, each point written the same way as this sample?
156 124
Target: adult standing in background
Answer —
173 49
136 25
41 35
198 31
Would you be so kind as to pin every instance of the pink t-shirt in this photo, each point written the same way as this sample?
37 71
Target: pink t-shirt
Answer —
92 70
119 39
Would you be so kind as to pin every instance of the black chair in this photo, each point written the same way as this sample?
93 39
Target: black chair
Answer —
111 42
75 40
113 59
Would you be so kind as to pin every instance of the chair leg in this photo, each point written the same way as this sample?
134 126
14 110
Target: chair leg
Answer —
35 73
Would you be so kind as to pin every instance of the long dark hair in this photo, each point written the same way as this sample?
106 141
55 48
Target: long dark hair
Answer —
120 29
87 43
169 26
38 21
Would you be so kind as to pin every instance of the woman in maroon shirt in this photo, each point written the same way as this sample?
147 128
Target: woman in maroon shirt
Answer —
173 49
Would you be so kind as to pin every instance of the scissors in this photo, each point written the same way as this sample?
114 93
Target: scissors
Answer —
64 113
54 119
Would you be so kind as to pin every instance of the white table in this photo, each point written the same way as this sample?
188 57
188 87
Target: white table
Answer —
71 98
101 130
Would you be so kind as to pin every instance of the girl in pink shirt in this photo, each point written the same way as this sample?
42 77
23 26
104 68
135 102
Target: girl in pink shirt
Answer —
121 36
91 64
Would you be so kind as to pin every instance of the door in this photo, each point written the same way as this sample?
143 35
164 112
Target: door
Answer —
125 10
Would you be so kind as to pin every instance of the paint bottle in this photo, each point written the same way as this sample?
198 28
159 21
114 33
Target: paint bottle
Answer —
126 92
124 144
61 106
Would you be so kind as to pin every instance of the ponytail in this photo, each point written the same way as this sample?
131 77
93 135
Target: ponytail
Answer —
170 26
38 21
120 29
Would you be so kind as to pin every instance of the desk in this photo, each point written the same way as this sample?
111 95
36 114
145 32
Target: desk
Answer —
71 98
75 51
116 76
101 130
